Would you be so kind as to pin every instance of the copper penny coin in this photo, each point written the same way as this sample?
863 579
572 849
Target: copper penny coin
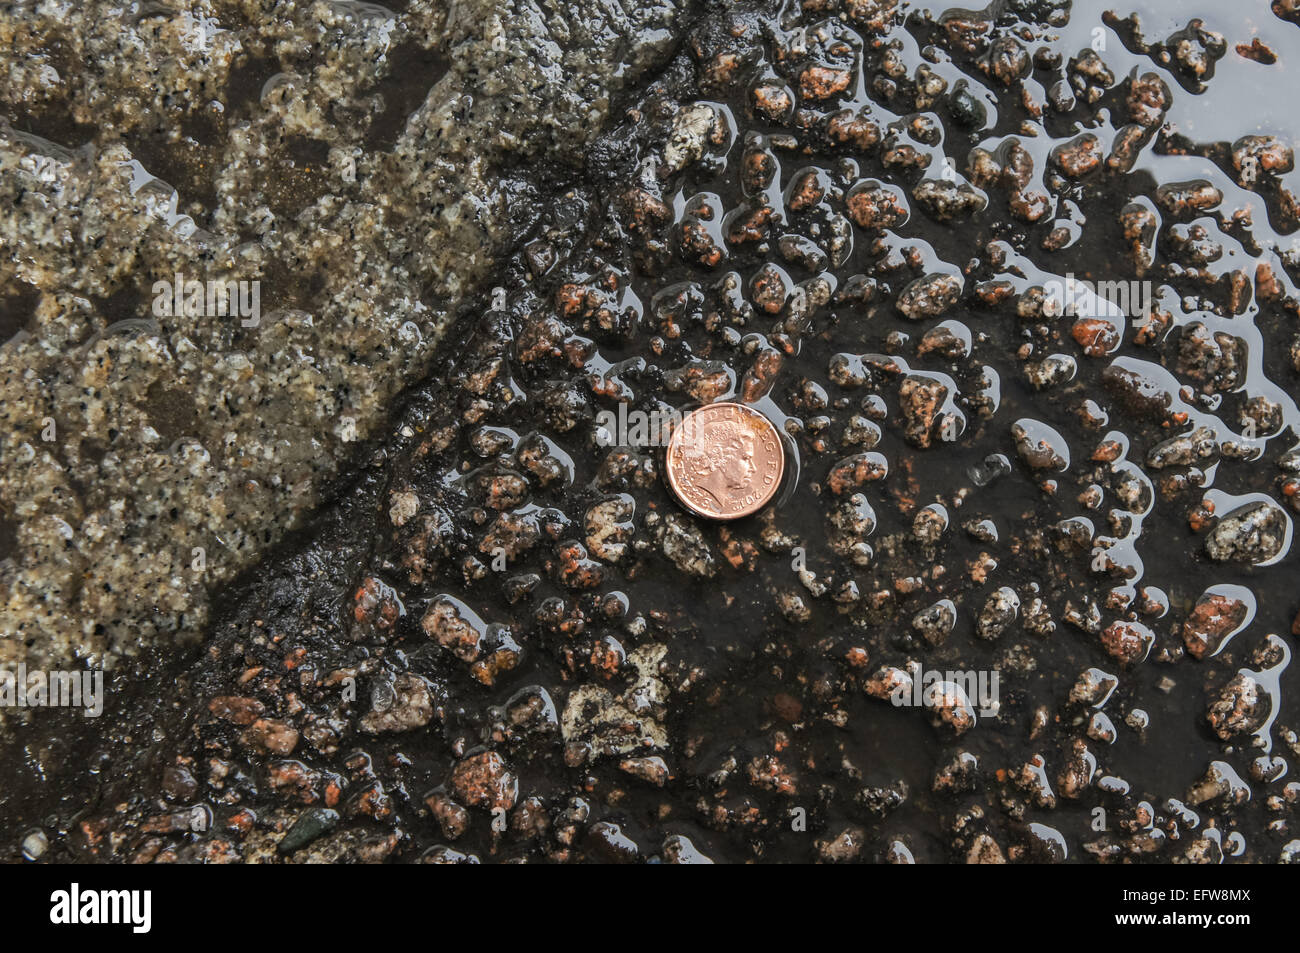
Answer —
725 461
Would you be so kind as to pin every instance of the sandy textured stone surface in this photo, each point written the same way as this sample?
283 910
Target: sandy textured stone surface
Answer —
146 457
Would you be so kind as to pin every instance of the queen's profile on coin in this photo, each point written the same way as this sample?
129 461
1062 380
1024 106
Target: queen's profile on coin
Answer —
725 461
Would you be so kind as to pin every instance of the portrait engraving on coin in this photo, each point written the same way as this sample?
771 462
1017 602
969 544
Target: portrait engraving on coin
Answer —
725 461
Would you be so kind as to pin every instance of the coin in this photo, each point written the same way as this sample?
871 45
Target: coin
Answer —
725 461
